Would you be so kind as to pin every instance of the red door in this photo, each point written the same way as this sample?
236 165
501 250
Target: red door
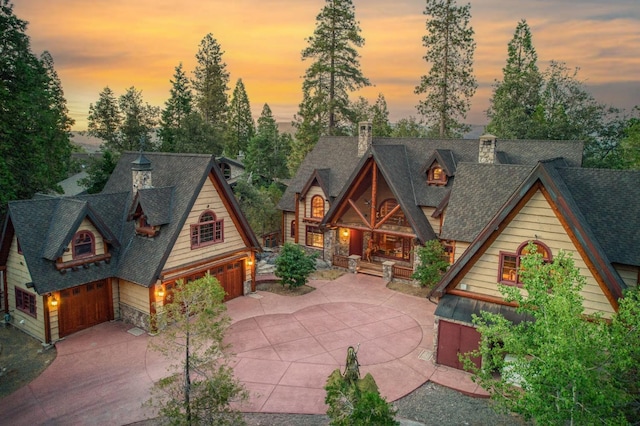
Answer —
454 339
230 278
83 307
355 242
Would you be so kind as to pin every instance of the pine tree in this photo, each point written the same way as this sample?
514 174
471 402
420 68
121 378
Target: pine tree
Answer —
177 109
333 74
380 117
450 83
515 98
268 150
34 121
241 127
211 84
139 120
105 119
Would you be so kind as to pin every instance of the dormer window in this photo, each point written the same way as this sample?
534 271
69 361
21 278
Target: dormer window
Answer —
209 230
144 228
226 170
83 245
436 175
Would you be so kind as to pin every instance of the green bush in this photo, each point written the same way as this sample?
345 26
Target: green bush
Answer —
293 266
433 263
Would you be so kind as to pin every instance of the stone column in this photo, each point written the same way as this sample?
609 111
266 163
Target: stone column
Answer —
354 261
387 270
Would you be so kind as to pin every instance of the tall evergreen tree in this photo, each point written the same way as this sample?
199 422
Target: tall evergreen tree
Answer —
333 74
380 117
241 127
409 128
268 150
450 83
177 109
105 119
211 81
516 97
139 120
34 122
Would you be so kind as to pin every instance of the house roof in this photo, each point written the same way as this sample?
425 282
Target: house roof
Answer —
45 226
601 216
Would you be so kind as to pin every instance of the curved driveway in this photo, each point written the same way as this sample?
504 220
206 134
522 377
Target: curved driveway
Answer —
285 348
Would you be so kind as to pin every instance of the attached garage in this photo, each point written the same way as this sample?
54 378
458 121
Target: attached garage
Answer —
455 339
229 275
84 306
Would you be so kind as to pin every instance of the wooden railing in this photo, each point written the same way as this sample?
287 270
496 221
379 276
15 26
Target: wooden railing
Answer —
340 261
402 272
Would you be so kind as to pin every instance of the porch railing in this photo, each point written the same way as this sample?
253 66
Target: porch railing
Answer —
341 261
402 272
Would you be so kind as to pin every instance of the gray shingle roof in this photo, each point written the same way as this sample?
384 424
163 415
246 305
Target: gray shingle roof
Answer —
46 225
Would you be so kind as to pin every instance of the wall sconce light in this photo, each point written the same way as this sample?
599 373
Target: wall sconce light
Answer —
160 291
345 233
250 262
53 301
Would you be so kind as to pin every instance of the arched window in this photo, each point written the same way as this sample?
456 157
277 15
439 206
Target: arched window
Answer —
83 244
208 230
317 207
436 175
510 262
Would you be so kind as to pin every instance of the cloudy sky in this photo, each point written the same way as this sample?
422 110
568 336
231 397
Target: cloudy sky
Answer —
123 43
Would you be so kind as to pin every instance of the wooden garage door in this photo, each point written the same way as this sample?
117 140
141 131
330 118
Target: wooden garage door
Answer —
454 339
230 277
83 306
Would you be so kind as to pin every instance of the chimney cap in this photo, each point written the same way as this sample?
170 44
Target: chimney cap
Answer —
141 163
488 136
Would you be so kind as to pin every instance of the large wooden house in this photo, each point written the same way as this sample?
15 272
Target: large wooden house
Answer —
366 203
68 263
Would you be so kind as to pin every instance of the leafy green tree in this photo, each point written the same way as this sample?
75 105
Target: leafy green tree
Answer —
630 144
211 84
197 136
138 120
333 74
259 204
516 97
355 401
99 171
360 111
34 121
562 368
177 109
268 150
409 128
381 126
432 263
105 119
450 83
293 266
192 328
241 127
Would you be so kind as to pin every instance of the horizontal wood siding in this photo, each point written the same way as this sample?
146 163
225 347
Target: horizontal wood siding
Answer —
460 247
18 276
86 225
536 220
629 274
288 217
134 295
433 221
208 199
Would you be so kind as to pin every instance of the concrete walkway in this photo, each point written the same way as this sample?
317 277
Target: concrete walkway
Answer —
285 348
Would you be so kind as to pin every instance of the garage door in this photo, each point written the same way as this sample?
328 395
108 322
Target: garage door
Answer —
83 306
454 339
230 277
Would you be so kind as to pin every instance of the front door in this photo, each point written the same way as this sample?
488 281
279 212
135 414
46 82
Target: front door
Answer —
83 307
355 242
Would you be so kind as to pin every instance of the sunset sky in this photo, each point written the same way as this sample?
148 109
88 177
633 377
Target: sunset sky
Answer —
123 43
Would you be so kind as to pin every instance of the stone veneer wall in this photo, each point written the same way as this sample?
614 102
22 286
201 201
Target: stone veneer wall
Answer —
134 316
487 150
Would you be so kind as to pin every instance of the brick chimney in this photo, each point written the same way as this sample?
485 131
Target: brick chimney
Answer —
141 173
365 137
487 151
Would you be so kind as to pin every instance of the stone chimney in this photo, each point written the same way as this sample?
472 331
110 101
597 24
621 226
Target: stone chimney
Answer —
141 173
487 151
365 137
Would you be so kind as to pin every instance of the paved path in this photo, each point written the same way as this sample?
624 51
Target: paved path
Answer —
285 348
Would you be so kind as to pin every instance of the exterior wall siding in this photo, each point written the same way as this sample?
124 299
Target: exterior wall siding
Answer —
86 225
288 217
208 199
535 221
18 276
629 274
433 221
305 211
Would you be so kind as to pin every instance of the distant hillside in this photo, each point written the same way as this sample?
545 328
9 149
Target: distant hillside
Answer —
88 143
